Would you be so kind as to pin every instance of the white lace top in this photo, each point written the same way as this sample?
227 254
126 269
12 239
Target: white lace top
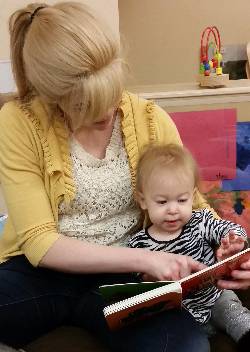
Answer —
103 210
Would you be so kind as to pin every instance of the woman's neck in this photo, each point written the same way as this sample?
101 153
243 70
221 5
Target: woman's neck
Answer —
95 140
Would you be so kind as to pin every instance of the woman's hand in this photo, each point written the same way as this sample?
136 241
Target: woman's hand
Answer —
240 278
167 266
230 245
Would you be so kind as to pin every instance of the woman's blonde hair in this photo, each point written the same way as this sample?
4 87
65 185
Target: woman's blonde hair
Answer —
69 57
170 156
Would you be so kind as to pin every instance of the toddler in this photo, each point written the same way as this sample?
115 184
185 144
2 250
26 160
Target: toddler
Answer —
167 182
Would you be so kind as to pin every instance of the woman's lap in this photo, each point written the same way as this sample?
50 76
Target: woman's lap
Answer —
34 301
169 331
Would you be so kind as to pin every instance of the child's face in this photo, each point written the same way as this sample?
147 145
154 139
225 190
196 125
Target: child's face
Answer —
168 198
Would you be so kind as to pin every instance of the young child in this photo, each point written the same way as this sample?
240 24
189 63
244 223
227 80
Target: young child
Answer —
167 181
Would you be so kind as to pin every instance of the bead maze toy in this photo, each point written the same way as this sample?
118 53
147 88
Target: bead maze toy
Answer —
211 72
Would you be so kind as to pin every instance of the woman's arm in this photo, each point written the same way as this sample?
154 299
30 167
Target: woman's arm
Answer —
32 227
72 255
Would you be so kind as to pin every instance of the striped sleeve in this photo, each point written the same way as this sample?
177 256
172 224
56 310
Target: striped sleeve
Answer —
214 229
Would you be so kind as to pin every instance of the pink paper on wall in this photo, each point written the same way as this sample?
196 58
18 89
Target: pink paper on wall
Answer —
211 137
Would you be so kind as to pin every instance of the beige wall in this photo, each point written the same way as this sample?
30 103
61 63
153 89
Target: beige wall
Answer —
107 8
163 36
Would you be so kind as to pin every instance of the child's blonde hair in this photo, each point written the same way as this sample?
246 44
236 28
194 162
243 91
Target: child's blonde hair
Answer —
67 56
170 156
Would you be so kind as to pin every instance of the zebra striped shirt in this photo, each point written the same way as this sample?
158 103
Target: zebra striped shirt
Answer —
197 240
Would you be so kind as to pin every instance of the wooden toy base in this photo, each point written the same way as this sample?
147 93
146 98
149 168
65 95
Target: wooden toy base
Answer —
213 81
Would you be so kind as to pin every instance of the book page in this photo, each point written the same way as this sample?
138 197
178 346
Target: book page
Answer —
210 275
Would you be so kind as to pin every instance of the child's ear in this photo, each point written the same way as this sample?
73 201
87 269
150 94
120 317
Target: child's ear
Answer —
141 200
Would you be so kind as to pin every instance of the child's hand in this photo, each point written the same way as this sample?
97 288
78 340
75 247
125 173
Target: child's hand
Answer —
230 245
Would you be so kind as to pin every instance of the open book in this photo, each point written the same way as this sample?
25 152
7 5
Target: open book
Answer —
128 303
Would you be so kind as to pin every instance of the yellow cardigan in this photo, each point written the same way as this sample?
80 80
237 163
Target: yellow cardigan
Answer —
36 169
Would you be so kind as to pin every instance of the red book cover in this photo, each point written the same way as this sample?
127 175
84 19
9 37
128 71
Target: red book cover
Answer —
211 274
142 310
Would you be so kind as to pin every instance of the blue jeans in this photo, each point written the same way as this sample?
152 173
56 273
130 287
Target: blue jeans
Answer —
34 301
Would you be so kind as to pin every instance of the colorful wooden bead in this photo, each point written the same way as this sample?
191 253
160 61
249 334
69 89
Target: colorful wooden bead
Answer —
211 64
219 70
202 69
207 66
215 63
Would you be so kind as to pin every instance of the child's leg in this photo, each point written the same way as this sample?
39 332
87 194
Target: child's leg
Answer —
229 315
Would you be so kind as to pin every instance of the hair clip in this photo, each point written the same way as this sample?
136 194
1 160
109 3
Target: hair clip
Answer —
35 12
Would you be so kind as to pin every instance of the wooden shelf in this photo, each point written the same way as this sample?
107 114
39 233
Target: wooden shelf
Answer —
191 93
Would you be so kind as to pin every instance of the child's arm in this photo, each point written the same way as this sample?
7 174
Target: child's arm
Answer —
217 232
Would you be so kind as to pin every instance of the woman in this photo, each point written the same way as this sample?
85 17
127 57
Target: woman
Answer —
69 147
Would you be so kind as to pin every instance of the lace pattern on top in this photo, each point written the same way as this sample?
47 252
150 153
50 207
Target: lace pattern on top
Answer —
103 210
